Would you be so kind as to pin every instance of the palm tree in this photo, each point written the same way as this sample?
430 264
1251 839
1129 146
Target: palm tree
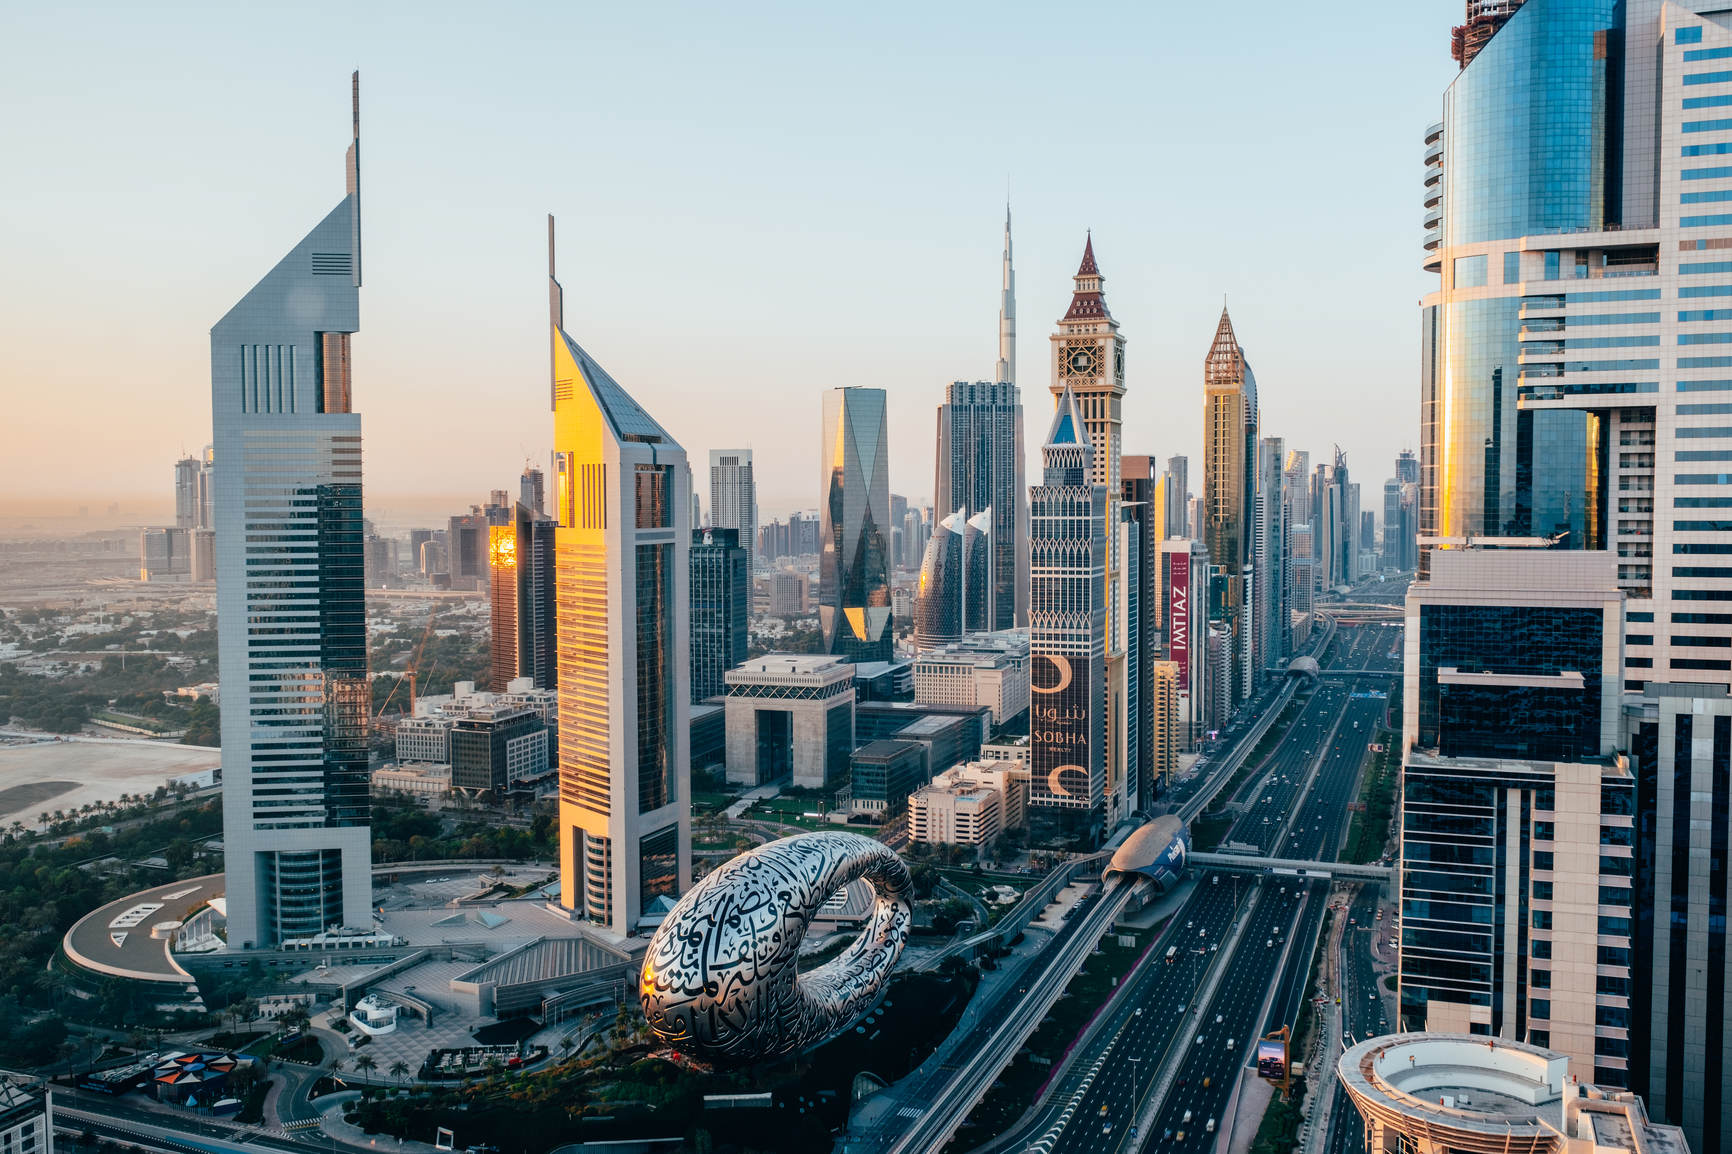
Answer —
399 1069
366 1064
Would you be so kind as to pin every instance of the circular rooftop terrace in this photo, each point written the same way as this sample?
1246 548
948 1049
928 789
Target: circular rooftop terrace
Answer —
1464 1091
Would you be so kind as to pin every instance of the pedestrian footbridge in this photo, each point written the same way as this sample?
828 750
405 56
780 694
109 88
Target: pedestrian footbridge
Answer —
1245 863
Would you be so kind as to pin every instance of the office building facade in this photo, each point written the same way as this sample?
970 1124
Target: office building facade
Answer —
790 716
621 489
980 473
291 612
1068 629
721 601
1088 359
1572 385
854 542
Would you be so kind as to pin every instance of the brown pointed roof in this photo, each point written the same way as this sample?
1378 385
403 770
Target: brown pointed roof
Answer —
1088 305
1222 365
1087 268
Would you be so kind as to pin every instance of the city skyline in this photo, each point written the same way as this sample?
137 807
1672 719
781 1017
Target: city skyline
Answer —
852 258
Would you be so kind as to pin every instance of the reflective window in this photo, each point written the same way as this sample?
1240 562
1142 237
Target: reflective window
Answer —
1708 78
1470 271
1720 148
1705 221
1692 35
658 859
1707 102
1512 267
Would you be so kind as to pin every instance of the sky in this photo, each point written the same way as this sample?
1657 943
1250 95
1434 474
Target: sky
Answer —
755 203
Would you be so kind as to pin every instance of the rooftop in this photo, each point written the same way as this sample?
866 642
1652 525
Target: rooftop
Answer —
792 665
131 937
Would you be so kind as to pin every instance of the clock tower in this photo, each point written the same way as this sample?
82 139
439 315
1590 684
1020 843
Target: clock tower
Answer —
1088 357
1088 360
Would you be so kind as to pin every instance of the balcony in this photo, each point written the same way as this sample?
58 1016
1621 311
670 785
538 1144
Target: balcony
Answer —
1433 238
1434 132
1433 218
1432 263
1433 174
1434 152
1434 195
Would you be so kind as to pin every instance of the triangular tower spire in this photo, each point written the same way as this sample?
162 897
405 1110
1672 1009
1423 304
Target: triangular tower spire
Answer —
1006 369
1067 422
1222 363
1087 268
1087 301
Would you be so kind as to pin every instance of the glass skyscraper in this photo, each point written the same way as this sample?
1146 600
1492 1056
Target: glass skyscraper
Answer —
1068 631
854 545
980 469
622 499
291 611
1575 389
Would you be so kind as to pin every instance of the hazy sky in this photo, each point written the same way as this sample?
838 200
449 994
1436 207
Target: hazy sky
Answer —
756 203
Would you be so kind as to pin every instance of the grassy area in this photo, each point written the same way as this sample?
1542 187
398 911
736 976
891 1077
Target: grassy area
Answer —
1279 1131
1020 1082
1369 831
703 803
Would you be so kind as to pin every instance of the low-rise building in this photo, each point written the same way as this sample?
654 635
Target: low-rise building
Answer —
969 805
790 715
424 739
951 733
884 774
23 1122
497 747
419 779
983 669
1012 749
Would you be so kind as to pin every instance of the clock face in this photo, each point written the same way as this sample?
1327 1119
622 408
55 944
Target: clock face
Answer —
1081 362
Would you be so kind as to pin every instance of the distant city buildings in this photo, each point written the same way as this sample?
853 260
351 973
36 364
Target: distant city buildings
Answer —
291 611
854 546
622 500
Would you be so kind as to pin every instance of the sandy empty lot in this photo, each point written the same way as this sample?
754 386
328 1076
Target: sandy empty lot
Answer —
95 771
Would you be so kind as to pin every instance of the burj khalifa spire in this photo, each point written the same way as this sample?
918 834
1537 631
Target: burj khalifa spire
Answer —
1006 371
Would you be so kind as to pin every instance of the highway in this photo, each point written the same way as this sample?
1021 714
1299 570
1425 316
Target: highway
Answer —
1266 985
1095 1105
1364 1009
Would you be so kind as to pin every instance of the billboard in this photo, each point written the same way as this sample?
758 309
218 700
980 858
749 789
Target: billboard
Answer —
1065 748
1179 614
1272 1059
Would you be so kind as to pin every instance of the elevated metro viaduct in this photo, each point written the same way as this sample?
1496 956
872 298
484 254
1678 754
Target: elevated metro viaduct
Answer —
1161 850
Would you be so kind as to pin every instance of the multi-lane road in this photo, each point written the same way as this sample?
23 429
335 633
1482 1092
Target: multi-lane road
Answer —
1187 1025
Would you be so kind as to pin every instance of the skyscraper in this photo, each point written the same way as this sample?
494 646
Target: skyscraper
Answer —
734 500
1068 630
532 489
622 499
980 468
291 612
1178 486
1230 427
721 601
1088 358
520 563
1141 499
1524 432
1269 623
854 543
954 596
